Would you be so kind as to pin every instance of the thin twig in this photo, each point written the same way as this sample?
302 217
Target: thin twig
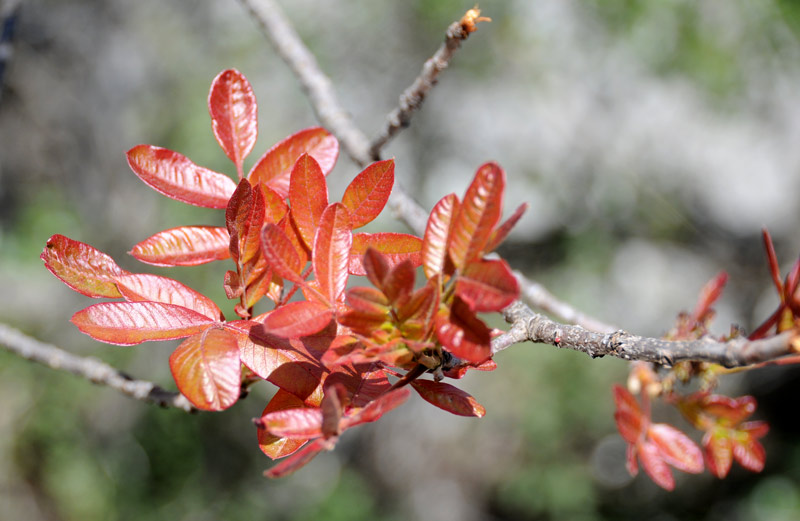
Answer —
738 352
89 368
411 98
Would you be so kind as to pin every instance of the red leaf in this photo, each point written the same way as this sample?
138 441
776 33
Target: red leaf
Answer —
478 215
281 254
300 423
376 267
655 466
377 408
308 195
718 450
365 382
128 323
175 176
399 283
274 167
463 334
332 251
487 285
299 459
275 207
206 369
708 295
234 115
437 235
756 429
500 233
366 196
772 259
448 397
244 218
395 248
298 319
82 267
422 305
629 425
272 445
750 454
142 287
625 401
676 448
184 246
730 411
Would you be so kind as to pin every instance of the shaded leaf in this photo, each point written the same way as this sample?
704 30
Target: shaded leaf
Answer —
274 446
274 167
332 251
395 248
500 233
299 459
676 448
448 397
718 450
368 193
244 218
308 194
298 319
300 423
376 267
463 334
175 176
487 285
184 246
750 454
373 410
142 287
128 323
234 115
437 235
629 425
399 283
82 267
206 369
655 466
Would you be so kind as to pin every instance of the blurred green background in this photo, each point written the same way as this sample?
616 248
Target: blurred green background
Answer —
653 140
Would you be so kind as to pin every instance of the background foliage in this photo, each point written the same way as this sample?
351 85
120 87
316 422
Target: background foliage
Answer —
652 139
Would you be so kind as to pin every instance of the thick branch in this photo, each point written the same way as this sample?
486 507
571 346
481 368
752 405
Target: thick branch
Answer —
739 352
411 98
89 368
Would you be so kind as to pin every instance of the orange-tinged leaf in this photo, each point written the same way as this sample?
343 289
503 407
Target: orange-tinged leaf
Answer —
332 251
395 248
272 445
655 466
399 283
299 423
82 267
437 235
376 267
234 115
479 213
143 287
281 254
718 450
676 448
184 246
206 369
500 233
274 167
365 382
175 176
487 285
422 304
625 401
308 195
275 208
729 410
298 319
367 300
128 323
750 454
299 459
368 193
373 410
448 397
463 334
629 425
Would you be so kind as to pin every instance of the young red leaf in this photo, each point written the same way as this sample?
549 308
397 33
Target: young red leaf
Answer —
365 382
142 287
333 403
772 260
281 254
500 233
395 248
676 448
629 425
399 283
750 454
368 193
625 401
376 267
128 323
300 423
175 176
274 167
206 369
655 466
463 334
377 408
274 446
731 411
184 246
487 285
332 251
479 213
275 208
718 450
422 305
448 397
82 267
437 235
308 194
298 319
299 459
234 115
708 295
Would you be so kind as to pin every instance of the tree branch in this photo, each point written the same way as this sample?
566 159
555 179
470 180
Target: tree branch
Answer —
411 98
738 352
89 368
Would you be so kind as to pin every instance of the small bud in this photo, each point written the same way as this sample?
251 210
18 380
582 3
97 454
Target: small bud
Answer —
471 19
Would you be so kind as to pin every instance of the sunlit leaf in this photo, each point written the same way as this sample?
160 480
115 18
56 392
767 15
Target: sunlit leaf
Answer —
718 450
274 205
298 319
500 233
206 369
750 454
368 193
437 235
395 248
299 459
300 423
308 194
629 425
463 334
274 446
234 115
244 218
676 448
184 246
376 267
487 285
448 397
332 251
399 283
479 213
274 167
281 254
128 323
175 176
82 267
377 408
142 287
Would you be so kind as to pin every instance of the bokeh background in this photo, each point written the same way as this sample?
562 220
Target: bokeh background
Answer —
653 141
